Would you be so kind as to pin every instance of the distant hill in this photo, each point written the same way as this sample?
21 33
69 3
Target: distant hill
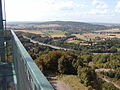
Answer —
72 26
69 26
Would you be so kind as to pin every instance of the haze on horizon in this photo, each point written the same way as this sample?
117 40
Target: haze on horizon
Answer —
105 11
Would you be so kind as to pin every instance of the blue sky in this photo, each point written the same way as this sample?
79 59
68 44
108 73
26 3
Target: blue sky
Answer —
67 10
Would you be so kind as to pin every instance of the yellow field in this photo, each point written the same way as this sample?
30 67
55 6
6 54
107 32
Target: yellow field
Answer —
86 36
73 41
89 36
29 31
109 30
53 34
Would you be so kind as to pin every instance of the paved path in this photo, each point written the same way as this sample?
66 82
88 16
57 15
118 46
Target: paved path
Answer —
103 70
107 79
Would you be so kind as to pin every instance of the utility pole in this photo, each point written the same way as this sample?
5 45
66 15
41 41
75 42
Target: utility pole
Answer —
2 46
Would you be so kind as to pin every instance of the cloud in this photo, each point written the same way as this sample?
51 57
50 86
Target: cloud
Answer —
49 1
92 12
61 5
99 4
117 8
97 12
39 9
68 5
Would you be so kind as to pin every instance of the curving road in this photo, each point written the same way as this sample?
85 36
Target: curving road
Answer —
54 47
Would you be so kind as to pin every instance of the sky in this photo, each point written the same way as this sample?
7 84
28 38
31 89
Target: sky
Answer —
105 11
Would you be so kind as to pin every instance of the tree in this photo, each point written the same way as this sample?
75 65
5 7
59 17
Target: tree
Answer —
65 65
77 62
88 77
87 58
62 63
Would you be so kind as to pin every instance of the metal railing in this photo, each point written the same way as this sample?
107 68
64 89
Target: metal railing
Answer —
28 75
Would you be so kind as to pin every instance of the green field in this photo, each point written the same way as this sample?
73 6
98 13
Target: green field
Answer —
53 32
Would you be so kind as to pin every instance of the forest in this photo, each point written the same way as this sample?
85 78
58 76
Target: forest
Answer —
107 46
81 62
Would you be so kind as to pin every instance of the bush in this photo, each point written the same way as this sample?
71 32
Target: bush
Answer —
108 86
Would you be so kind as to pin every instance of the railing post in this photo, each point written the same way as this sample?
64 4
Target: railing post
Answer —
2 46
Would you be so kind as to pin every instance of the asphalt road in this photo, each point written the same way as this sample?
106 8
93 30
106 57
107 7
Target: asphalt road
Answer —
54 47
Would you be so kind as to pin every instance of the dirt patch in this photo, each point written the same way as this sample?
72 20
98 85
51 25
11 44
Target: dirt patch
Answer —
59 85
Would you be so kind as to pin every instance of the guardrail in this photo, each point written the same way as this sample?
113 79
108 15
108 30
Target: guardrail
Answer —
28 75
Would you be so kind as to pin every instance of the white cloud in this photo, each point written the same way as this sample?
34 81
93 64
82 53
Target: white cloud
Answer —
99 4
65 5
38 9
49 1
117 8
92 12
97 11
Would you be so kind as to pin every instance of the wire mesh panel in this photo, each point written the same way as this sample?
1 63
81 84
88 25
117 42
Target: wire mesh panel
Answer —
29 77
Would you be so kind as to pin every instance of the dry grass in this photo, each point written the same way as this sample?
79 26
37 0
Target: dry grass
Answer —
30 31
88 36
53 36
107 34
109 30
73 81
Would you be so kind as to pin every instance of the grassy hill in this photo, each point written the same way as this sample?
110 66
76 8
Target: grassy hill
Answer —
72 26
69 26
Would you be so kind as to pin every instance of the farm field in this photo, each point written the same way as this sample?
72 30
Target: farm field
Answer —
88 36
54 33
84 36
30 31
51 33
109 30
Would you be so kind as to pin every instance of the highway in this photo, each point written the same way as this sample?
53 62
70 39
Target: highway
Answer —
54 47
